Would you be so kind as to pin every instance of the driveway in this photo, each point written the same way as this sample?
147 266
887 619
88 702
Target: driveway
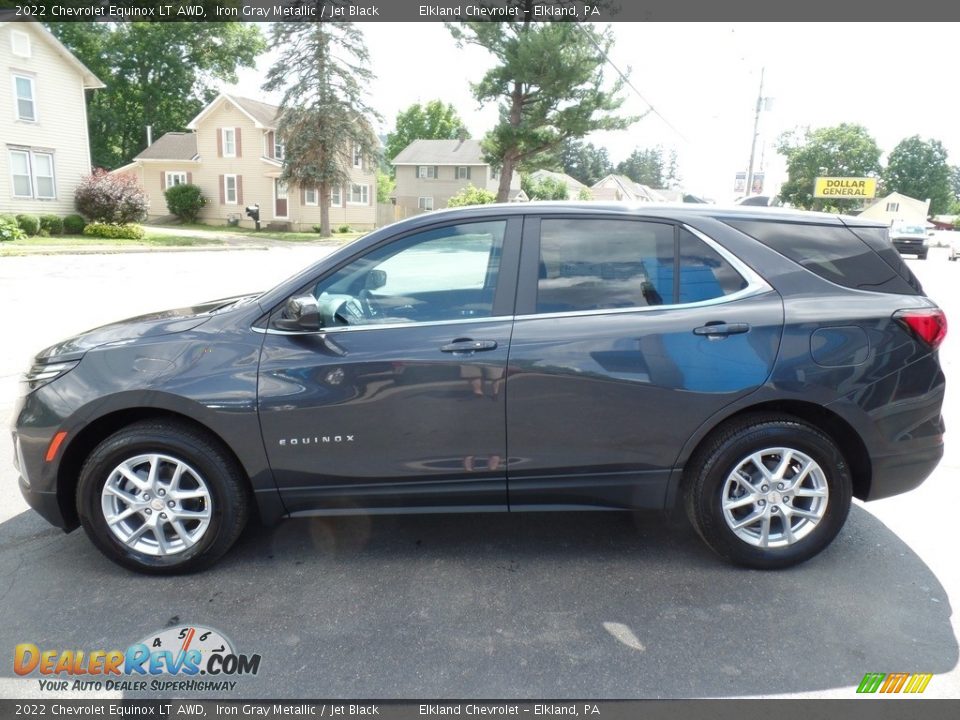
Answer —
531 606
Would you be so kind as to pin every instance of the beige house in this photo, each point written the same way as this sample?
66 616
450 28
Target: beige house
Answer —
622 189
233 153
897 209
430 172
574 186
43 121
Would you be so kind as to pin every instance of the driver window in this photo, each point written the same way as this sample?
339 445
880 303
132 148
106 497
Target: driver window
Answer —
445 273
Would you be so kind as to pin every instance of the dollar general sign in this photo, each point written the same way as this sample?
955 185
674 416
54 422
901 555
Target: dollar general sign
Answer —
845 187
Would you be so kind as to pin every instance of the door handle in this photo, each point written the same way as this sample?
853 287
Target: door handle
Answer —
468 345
721 329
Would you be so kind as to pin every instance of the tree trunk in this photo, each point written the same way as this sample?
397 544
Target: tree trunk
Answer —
509 157
506 174
324 201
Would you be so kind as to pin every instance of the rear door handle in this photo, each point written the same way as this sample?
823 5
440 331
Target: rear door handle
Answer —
718 329
468 345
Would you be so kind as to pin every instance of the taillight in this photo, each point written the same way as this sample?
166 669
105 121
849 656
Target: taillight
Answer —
928 324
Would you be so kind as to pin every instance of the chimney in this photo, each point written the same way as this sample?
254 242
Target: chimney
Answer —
461 136
149 135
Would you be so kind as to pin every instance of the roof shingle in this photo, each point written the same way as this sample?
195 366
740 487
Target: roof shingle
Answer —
441 152
171 146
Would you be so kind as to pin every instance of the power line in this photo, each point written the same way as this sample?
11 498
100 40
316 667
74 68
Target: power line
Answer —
630 85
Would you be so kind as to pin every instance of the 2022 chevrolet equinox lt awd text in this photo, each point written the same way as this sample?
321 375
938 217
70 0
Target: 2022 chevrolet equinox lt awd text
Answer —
758 366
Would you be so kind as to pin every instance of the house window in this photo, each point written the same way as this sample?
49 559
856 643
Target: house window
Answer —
359 194
427 171
893 207
336 198
23 91
425 203
20 43
229 142
357 156
278 150
230 188
463 173
32 175
310 196
176 177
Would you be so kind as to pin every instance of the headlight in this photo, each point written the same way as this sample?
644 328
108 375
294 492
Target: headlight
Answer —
40 374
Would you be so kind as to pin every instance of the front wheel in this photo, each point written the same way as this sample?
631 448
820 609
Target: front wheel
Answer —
768 491
162 498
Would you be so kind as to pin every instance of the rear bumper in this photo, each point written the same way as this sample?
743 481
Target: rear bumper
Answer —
910 248
895 474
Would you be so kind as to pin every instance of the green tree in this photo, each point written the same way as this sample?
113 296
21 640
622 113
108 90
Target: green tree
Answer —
844 150
472 195
545 188
323 71
548 82
159 74
585 162
919 168
651 167
385 186
433 121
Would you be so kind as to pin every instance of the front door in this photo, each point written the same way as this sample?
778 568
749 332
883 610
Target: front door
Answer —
399 401
280 209
629 334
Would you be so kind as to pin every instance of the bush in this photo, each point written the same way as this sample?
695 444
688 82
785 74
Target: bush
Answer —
52 224
114 231
471 195
114 199
318 229
74 224
30 224
9 229
344 229
185 201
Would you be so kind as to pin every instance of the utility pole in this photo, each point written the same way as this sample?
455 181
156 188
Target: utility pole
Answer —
753 142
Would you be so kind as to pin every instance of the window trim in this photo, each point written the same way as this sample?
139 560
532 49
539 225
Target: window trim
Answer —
316 197
53 176
223 143
357 156
169 173
226 189
361 203
13 185
423 207
339 191
756 285
33 97
429 169
32 174
466 172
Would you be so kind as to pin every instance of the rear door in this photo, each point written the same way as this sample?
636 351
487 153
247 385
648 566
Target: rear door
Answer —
629 334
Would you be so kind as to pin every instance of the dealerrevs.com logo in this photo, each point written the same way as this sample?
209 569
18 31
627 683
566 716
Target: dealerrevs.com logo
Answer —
183 652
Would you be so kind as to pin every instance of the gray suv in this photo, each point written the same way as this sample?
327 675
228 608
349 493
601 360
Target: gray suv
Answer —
758 367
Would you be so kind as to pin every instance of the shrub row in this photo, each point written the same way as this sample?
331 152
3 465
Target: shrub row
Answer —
42 225
113 231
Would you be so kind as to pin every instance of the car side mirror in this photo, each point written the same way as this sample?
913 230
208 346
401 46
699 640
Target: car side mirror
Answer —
375 280
301 313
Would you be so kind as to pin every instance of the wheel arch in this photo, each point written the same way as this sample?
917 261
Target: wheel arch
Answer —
847 439
91 435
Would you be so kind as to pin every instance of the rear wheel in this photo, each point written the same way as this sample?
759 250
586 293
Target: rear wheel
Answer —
162 498
768 491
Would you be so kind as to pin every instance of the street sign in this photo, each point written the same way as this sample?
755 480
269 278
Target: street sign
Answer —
845 188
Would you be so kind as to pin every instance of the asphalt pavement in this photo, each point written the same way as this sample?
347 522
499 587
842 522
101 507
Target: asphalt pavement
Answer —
600 605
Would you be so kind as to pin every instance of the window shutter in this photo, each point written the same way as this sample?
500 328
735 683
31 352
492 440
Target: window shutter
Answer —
239 187
237 139
163 179
220 146
468 172
270 146
436 172
223 190
190 178
303 196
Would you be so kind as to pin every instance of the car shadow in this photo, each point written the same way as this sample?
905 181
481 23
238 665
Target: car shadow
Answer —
552 605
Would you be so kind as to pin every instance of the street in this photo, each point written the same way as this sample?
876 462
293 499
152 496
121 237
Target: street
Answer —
591 605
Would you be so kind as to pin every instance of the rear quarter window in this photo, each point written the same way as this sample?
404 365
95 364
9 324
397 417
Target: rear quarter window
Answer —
833 252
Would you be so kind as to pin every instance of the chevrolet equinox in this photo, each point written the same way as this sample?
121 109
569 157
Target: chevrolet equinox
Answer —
756 366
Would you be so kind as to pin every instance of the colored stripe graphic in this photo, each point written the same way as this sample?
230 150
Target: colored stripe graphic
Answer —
894 682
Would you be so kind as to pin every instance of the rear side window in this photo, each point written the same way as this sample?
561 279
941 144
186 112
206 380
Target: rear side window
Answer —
831 251
595 264
878 238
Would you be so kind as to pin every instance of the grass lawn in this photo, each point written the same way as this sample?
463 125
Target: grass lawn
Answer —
81 241
270 234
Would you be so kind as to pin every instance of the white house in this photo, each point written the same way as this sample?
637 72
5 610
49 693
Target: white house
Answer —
43 121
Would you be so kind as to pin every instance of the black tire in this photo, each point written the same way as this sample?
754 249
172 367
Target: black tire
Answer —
731 445
228 505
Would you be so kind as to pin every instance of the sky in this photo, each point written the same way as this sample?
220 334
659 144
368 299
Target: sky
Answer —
702 79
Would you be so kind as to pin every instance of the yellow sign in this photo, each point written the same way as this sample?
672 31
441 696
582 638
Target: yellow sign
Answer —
845 187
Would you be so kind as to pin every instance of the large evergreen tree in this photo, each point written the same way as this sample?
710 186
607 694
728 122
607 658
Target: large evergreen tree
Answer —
323 70
157 73
549 83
